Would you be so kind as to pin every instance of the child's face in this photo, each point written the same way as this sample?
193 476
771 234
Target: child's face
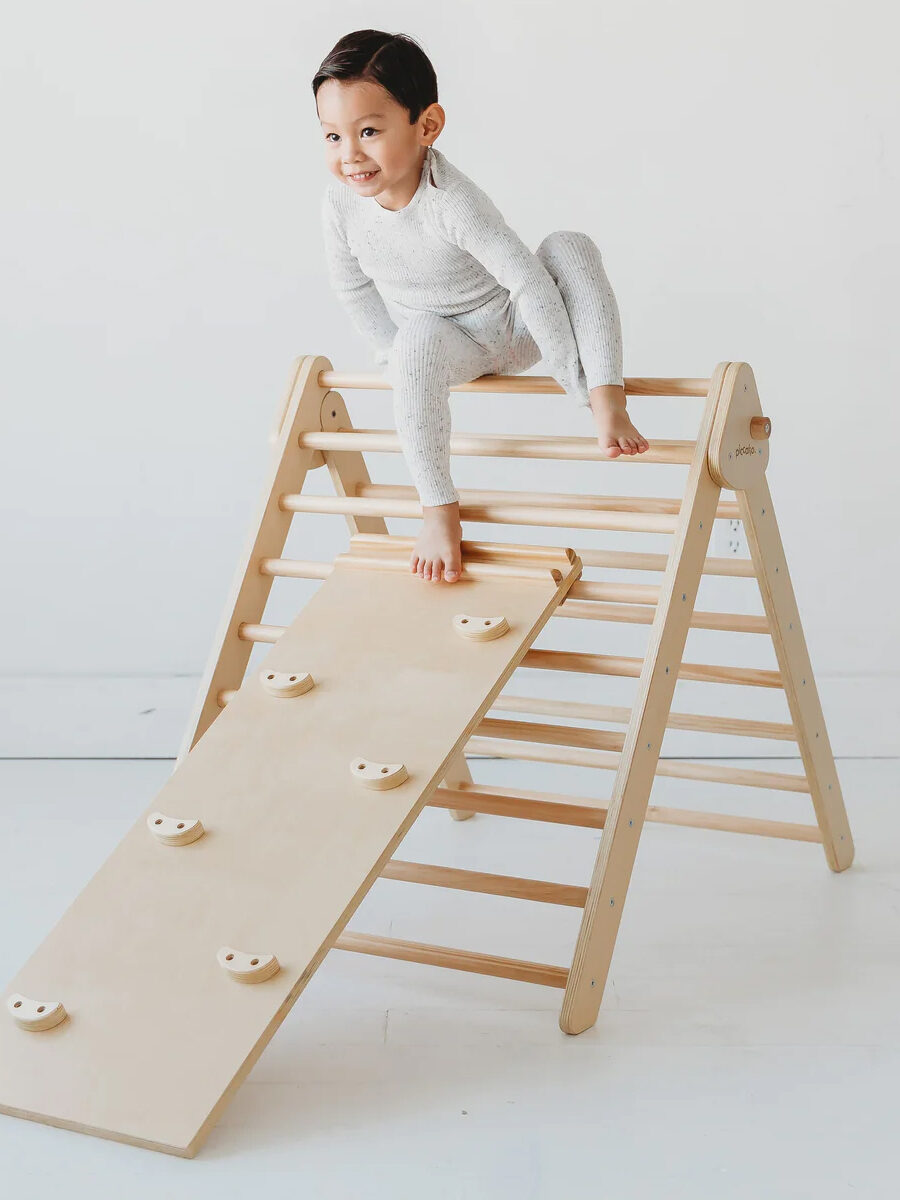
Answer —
365 129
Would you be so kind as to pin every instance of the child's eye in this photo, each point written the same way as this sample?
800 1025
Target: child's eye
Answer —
329 136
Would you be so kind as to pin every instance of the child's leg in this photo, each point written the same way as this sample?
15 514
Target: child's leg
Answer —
428 355
575 263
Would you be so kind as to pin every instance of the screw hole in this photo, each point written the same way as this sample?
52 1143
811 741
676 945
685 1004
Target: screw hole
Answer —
293 679
158 821
384 770
180 825
254 962
18 1004
360 766
229 957
464 621
270 677
487 622
41 1008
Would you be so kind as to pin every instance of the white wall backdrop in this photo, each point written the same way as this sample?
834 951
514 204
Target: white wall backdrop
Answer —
162 266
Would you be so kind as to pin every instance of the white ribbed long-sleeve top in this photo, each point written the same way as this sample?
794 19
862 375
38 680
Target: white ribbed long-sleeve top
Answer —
449 251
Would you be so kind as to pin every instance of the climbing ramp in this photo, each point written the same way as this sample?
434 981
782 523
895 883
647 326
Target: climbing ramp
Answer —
148 1003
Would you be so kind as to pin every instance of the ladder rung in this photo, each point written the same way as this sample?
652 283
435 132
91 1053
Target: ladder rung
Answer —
643 614
610 664
481 881
590 664
621 715
502 445
581 602
616 560
520 385
726 510
557 735
585 813
609 761
501 514
459 960
629 560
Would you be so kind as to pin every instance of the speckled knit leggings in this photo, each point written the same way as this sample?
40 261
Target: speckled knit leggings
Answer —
430 353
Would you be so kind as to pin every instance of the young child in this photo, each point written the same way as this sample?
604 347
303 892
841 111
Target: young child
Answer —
437 282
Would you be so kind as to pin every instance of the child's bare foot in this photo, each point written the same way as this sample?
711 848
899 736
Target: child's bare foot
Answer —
437 546
615 432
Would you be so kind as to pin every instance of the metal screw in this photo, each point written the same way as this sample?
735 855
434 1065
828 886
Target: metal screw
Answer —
612 902
631 822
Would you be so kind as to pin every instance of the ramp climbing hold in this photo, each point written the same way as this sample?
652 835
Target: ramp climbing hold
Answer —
481 629
35 1015
248 968
282 683
175 831
380 776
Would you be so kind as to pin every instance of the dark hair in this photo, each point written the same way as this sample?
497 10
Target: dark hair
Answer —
396 62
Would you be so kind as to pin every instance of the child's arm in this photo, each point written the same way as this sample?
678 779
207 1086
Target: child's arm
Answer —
356 291
472 221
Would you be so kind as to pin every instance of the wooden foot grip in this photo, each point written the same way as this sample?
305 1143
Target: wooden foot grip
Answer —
35 1015
481 629
248 968
175 831
380 776
285 685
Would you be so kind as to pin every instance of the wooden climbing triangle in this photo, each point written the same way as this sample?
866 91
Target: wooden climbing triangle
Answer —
299 778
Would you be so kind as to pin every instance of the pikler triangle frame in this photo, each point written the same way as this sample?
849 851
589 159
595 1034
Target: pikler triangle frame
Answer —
534 583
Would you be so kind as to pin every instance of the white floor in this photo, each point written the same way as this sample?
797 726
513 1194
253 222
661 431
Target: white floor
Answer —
748 1045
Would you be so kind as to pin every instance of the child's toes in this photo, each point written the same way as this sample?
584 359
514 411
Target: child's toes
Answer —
414 564
613 450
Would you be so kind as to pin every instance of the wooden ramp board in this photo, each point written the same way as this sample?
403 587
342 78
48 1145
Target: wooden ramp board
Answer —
158 1036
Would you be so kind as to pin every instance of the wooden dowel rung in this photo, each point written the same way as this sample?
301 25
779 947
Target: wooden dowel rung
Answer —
617 560
621 715
637 612
629 560
586 813
608 761
521 385
557 735
732 726
498 514
585 664
481 881
610 664
479 497
502 445
623 593
458 960
643 614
